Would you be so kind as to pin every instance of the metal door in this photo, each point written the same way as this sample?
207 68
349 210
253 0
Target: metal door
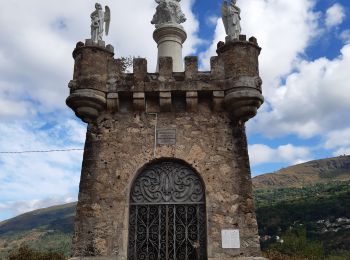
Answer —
167 214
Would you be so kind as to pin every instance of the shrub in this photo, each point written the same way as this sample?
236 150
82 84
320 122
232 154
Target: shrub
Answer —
295 243
24 252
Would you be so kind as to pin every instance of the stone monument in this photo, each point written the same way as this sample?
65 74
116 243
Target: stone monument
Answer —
231 17
98 20
169 34
166 172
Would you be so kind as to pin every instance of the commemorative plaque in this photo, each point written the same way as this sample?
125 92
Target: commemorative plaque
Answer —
166 136
230 238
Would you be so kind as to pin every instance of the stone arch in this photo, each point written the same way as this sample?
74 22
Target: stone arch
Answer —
167 217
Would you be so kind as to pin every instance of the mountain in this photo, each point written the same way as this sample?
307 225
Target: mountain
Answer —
44 229
309 173
53 218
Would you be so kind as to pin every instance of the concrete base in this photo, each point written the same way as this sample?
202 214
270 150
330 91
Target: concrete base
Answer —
240 258
118 258
96 258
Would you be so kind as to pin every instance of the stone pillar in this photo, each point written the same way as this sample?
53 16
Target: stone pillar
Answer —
170 38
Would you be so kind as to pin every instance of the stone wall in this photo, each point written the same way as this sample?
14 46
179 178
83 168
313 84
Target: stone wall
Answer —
208 111
119 145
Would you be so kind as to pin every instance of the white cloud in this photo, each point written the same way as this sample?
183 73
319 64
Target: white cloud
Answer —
260 154
335 15
13 108
212 20
314 100
345 36
342 151
338 140
13 101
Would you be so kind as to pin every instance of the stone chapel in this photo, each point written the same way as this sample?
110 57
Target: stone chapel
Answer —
165 171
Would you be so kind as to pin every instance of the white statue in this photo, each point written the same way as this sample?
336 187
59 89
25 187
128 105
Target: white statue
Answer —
98 19
168 11
231 16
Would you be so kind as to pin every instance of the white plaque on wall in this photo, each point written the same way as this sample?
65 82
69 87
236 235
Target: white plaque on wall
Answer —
230 238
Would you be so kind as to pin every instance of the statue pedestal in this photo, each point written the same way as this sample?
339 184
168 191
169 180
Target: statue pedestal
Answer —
170 38
229 39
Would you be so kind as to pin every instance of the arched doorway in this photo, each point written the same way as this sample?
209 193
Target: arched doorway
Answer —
167 214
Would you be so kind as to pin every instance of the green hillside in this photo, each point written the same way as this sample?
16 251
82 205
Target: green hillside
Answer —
58 218
305 174
312 218
322 210
45 229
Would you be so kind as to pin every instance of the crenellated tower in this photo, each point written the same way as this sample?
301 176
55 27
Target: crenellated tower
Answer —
166 172
180 125
233 84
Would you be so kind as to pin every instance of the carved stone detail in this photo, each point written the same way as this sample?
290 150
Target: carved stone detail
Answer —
168 12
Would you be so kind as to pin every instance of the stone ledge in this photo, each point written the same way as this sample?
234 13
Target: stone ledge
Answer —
122 258
239 258
97 258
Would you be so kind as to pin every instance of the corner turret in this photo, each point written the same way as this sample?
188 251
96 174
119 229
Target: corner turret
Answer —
243 93
89 85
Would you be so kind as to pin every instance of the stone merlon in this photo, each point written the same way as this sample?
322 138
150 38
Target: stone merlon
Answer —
232 85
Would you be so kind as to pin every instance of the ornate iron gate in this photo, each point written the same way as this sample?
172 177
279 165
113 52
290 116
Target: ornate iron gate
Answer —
167 214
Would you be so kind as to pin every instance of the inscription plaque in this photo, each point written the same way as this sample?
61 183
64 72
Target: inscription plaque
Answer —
166 136
230 238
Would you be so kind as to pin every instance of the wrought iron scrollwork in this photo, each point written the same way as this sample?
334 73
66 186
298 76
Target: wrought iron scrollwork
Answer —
167 214
167 183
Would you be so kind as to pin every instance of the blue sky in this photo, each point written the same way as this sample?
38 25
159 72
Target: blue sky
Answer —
304 64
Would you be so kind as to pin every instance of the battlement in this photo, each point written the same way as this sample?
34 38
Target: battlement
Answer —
100 84
166 67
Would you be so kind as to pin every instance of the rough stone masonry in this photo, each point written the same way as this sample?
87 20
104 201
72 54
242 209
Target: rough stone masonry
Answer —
203 115
166 171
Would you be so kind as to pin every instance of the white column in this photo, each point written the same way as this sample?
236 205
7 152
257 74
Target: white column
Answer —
170 38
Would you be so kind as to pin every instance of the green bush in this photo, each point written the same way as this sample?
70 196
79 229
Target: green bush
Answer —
295 243
24 252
